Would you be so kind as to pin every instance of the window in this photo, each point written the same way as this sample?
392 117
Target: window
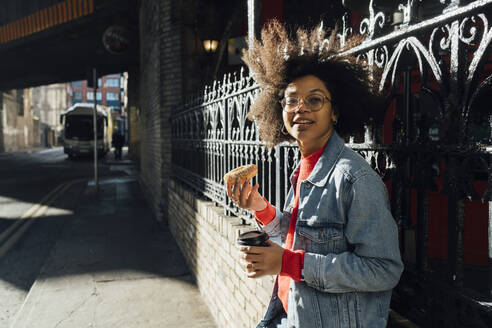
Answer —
90 95
112 83
112 96
99 83
81 127
77 83
77 95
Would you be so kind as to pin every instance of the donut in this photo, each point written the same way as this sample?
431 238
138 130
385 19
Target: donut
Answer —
243 172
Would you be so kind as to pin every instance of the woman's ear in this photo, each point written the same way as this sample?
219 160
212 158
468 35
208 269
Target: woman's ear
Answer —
334 116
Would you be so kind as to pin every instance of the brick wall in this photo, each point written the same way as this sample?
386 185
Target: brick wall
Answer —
171 84
150 108
207 239
160 90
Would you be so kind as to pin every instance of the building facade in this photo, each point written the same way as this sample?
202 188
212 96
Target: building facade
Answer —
48 103
19 128
111 92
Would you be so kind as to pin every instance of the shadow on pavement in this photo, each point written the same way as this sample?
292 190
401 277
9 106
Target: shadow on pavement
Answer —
113 237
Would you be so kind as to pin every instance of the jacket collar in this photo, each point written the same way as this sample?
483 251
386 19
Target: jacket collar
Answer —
326 163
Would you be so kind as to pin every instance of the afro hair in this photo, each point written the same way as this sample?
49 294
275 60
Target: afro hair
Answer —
278 59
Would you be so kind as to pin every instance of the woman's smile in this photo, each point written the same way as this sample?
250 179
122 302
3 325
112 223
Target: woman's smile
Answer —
302 124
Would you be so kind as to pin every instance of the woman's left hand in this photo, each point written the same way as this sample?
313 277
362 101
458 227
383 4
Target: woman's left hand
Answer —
259 261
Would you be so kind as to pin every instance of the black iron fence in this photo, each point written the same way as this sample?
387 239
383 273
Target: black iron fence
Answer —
212 136
436 64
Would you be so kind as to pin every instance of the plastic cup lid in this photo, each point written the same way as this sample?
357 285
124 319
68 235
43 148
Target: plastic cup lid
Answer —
252 237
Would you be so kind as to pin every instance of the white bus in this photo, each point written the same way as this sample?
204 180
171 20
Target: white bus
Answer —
78 130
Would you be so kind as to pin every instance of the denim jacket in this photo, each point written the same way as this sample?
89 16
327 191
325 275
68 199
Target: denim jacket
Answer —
352 258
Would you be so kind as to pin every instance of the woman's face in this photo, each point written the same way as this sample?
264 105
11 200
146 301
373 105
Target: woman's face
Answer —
318 125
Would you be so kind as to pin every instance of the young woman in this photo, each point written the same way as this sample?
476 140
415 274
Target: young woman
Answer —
337 258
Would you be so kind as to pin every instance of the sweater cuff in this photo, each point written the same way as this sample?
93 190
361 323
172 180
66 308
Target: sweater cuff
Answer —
267 215
292 264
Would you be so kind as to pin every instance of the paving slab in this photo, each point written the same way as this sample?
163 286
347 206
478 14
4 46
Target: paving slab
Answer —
114 266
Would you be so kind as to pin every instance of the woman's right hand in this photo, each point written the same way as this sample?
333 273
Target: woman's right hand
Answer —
245 195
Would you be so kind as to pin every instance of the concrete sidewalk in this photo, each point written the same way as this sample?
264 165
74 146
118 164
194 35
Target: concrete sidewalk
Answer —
114 266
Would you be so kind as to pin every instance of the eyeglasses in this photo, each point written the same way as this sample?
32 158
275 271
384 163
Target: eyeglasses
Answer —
312 102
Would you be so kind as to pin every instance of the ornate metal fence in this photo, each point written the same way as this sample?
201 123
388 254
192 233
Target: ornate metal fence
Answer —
436 68
212 136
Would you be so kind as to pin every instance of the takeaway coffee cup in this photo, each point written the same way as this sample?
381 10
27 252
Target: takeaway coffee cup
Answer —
253 238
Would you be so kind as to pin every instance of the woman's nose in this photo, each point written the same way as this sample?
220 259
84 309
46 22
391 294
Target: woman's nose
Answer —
301 107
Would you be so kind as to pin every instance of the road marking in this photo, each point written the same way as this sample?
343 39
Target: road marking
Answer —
28 218
28 213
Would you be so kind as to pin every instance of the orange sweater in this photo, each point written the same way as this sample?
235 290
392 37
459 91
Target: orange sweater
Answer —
292 260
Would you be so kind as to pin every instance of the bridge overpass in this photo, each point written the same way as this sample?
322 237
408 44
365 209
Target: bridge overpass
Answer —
50 41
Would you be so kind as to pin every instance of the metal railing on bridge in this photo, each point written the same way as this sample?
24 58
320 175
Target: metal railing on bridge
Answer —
433 58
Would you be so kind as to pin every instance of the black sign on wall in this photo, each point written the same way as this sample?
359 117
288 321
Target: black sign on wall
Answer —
116 39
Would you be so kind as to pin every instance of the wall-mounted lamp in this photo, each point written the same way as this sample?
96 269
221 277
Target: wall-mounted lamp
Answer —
210 45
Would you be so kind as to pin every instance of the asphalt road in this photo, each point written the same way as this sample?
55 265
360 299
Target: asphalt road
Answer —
26 179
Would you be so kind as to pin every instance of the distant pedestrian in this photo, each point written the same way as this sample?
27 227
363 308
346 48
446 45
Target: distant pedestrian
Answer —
117 142
334 245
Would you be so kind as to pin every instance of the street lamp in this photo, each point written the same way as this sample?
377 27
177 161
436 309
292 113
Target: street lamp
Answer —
210 45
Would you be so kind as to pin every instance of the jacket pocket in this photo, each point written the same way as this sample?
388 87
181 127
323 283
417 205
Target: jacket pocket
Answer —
323 234
321 239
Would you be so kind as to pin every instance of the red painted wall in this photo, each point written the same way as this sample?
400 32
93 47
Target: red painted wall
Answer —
272 9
